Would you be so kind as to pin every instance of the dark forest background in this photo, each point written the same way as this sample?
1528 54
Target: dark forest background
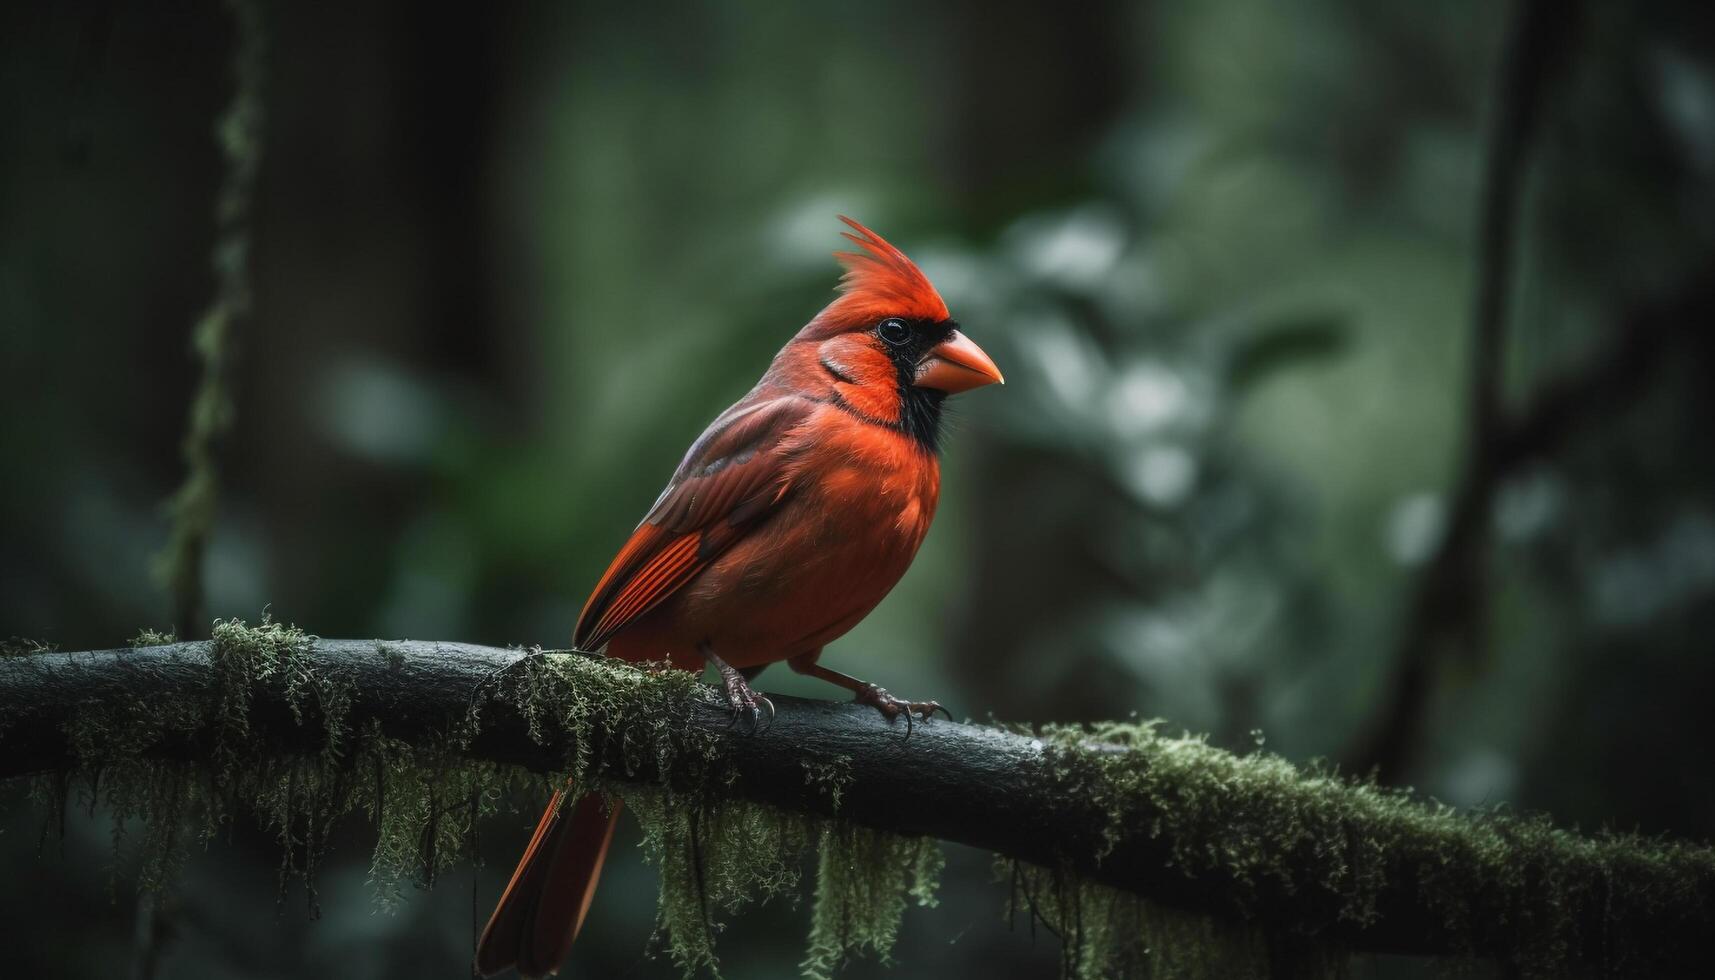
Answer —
1264 467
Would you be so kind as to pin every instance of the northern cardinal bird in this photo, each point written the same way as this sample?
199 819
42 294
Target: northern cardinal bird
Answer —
790 518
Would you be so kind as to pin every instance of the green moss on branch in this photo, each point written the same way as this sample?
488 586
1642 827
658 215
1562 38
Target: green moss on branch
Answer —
1105 932
1343 857
147 637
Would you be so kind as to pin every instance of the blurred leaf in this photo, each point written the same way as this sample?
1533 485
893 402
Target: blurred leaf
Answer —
1308 338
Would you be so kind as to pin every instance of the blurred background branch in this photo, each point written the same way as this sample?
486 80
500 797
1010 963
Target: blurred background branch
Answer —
1447 619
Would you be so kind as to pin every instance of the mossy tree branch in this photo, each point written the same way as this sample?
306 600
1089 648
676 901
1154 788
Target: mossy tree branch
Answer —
1249 839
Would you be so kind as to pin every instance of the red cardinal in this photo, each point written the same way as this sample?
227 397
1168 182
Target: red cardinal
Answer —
790 518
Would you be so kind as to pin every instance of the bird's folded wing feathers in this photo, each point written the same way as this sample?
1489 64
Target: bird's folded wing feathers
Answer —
733 476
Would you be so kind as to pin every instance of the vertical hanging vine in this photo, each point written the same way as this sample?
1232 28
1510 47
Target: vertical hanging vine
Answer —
193 506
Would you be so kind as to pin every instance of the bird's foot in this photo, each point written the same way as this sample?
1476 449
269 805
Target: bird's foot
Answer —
892 707
745 703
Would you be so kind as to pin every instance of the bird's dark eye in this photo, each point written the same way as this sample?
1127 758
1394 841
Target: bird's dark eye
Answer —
894 330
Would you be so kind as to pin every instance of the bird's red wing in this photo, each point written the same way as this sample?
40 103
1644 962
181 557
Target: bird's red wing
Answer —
730 480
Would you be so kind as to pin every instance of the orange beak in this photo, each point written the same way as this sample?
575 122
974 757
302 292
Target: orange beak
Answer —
956 365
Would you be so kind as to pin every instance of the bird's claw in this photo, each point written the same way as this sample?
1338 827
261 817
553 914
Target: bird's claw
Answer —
755 710
892 707
747 704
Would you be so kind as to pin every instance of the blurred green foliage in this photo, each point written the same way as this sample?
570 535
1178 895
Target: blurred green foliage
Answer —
506 268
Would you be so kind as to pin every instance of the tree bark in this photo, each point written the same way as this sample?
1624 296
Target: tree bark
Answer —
976 785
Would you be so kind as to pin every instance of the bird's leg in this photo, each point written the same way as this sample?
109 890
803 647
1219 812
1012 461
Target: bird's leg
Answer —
744 702
863 692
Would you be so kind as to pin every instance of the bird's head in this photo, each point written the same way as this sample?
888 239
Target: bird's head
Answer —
888 345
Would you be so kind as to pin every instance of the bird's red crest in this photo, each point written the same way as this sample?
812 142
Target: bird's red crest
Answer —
880 281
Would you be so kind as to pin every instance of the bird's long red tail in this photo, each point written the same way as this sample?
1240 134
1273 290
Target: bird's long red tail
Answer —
544 904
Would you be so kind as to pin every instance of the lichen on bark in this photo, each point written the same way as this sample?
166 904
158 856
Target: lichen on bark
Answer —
1104 932
1314 850
716 855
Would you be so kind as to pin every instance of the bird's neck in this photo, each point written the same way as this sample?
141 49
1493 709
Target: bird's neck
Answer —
920 415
